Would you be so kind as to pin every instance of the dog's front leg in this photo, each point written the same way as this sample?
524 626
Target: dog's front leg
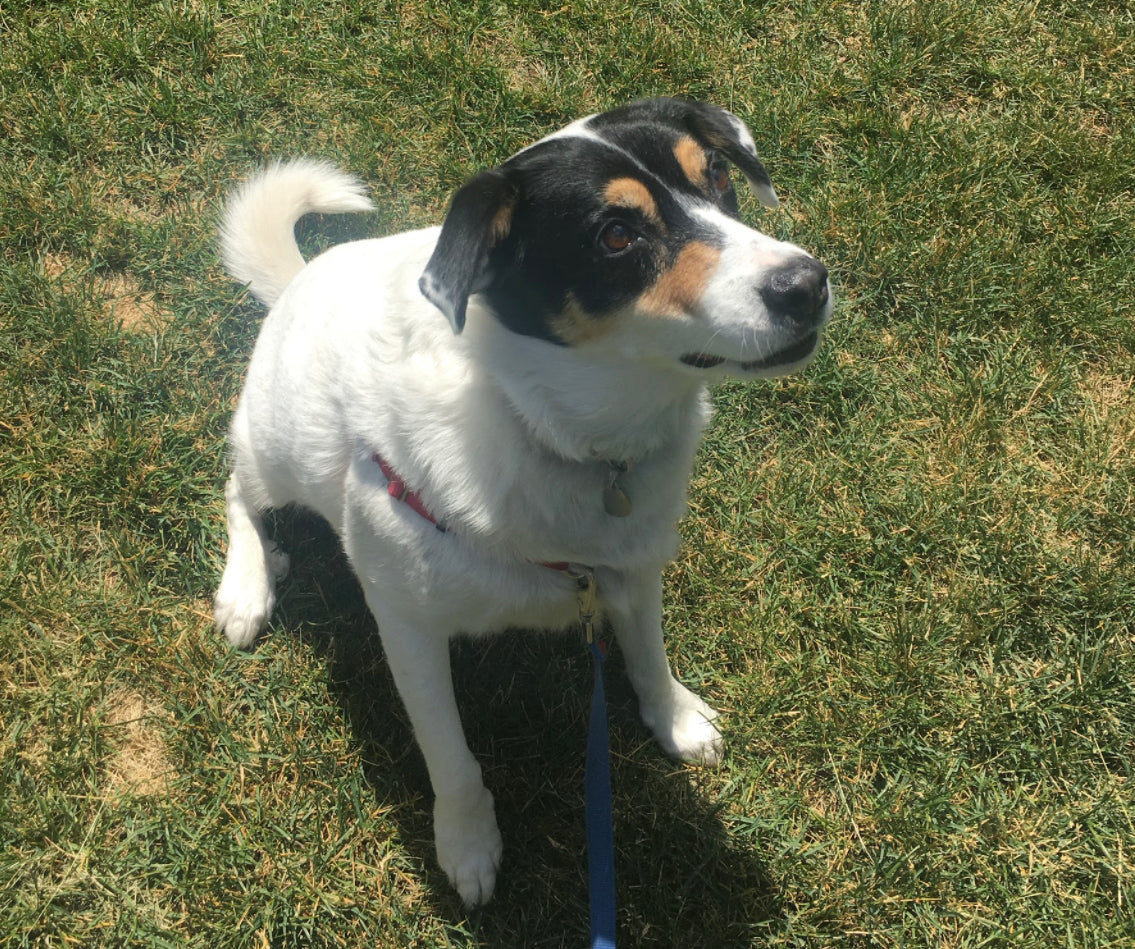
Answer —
680 720
465 826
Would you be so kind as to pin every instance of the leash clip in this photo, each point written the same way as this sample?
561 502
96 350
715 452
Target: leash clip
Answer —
584 578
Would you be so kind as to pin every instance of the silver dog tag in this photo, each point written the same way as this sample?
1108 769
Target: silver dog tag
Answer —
615 502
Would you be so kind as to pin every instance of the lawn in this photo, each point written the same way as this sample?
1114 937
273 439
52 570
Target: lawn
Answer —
907 576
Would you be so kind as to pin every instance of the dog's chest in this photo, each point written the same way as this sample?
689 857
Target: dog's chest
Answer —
565 514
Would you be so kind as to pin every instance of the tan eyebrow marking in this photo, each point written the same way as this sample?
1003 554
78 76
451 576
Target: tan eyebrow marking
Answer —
677 290
631 193
691 156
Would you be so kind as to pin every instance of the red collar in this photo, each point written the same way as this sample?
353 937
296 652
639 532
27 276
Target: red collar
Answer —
398 489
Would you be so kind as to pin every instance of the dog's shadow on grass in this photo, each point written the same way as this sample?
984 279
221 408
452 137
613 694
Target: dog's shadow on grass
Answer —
681 880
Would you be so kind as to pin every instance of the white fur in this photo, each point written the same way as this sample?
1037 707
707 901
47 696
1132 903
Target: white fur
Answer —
507 440
256 234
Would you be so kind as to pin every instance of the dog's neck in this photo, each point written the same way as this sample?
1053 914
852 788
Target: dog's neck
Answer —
589 407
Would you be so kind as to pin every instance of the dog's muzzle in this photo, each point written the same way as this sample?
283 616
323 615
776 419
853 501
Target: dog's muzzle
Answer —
798 301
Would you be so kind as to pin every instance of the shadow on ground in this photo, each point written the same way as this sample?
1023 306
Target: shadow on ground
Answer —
681 881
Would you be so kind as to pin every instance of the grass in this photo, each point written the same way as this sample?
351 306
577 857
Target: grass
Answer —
907 576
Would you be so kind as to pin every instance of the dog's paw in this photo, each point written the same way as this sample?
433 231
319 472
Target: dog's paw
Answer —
468 844
247 596
683 726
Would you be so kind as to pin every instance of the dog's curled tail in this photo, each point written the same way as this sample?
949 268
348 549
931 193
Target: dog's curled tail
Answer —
257 234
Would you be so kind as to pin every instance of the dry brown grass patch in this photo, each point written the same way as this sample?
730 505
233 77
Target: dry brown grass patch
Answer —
141 764
1112 399
121 297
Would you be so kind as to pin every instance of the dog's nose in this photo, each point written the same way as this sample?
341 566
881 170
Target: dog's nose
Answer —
797 290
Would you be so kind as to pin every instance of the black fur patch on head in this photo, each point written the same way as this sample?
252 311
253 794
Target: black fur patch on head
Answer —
555 256
584 223
712 126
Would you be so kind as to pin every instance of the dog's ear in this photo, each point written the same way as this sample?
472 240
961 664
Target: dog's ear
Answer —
479 218
723 131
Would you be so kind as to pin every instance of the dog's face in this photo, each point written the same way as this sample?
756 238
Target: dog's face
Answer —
621 231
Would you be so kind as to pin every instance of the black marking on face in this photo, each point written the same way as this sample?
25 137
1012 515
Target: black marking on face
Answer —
573 231
712 127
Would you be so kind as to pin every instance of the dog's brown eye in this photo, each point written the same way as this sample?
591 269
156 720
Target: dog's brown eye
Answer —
616 237
719 176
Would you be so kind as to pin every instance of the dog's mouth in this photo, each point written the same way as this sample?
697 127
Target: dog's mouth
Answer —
702 360
801 349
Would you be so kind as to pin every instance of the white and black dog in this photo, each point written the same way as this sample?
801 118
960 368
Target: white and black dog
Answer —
531 377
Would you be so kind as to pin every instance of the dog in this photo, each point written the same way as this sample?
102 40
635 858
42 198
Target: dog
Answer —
490 410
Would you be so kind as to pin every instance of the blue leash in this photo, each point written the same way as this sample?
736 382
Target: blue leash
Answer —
597 780
600 820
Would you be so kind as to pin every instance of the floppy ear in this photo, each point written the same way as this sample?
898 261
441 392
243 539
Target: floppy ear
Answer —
723 131
479 218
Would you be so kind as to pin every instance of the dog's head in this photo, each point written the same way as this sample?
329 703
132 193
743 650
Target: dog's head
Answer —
622 230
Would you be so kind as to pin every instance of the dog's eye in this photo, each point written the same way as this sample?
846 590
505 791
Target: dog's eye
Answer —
719 178
616 237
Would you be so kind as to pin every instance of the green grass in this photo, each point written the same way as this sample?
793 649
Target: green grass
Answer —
907 576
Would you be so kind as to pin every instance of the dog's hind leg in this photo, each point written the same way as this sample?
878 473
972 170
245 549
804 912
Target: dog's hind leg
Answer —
247 593
466 835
